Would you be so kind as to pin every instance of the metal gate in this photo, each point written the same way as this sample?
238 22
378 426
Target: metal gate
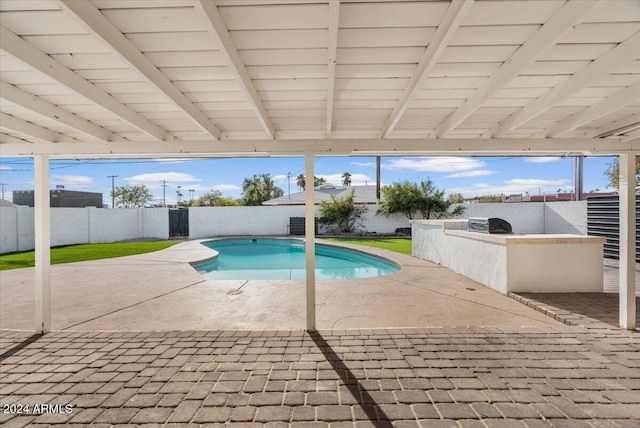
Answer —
603 219
179 223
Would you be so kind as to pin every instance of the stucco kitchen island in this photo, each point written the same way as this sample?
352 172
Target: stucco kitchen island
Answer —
535 263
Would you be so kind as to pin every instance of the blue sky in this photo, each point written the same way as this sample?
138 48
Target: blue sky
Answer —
471 176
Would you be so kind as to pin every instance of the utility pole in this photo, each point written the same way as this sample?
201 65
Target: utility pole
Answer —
288 184
164 191
113 190
191 191
3 185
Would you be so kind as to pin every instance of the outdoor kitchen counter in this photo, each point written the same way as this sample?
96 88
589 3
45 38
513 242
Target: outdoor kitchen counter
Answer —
536 263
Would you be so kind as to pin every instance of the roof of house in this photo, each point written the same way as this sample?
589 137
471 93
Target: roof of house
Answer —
362 195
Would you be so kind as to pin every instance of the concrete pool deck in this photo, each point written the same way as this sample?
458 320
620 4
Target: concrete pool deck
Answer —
161 292
586 374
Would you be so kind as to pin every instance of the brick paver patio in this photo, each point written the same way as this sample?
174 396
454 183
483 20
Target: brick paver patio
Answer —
441 377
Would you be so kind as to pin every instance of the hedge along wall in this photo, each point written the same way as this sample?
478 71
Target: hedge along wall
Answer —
97 225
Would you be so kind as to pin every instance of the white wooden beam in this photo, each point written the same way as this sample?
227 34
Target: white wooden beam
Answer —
610 104
627 270
334 22
310 242
332 147
27 128
625 52
618 125
32 102
448 26
19 48
10 139
42 214
559 24
98 24
218 29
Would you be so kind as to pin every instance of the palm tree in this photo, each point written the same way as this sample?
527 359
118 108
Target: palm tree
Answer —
300 182
346 179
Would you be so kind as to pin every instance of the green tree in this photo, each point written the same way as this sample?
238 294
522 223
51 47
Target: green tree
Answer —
491 198
301 181
343 214
132 196
409 199
214 198
612 173
260 188
346 179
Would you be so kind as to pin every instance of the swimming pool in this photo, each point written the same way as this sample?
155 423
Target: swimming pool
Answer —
285 259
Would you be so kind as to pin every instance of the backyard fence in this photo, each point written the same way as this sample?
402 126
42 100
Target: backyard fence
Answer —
603 219
96 225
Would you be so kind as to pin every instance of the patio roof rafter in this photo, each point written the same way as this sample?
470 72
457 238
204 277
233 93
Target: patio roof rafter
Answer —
446 30
334 22
98 24
624 53
218 29
27 128
21 49
31 102
616 101
545 38
617 127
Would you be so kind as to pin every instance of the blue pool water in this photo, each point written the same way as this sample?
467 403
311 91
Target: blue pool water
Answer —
285 259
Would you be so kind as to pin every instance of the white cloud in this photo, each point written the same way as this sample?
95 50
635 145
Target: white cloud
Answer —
435 164
5 168
173 160
472 173
365 164
514 186
73 182
154 180
226 187
542 159
356 179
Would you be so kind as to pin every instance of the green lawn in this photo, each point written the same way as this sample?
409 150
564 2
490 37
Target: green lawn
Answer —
79 253
399 245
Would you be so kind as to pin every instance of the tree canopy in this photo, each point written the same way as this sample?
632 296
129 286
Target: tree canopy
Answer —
409 198
259 188
131 196
341 213
214 198
301 181
613 172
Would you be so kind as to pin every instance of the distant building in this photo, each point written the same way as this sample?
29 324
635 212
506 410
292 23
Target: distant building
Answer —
554 197
60 198
362 195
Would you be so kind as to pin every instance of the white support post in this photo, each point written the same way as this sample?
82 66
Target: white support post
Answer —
43 243
627 192
310 237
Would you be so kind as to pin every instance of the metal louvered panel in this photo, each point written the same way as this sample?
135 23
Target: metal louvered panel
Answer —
603 219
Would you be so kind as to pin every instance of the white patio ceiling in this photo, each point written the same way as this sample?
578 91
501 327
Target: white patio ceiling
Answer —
180 77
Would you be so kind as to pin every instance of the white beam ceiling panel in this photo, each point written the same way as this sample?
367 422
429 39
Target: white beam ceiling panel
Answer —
447 28
334 147
19 48
27 128
218 29
625 52
334 20
608 105
100 26
618 126
539 42
10 139
32 102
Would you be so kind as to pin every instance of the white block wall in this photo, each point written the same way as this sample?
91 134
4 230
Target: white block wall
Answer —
81 226
566 217
525 217
95 225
